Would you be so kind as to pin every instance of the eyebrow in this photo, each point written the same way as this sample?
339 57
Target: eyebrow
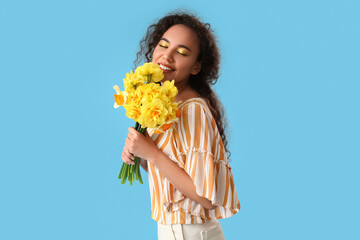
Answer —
183 46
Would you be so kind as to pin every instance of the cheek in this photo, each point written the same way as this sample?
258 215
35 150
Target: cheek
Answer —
188 65
155 53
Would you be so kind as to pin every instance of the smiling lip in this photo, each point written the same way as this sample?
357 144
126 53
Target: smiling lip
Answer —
165 68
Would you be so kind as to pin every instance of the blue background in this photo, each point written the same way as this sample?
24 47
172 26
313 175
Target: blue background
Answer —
289 82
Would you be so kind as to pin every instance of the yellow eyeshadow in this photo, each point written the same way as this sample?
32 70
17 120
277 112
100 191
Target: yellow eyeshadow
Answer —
163 44
183 51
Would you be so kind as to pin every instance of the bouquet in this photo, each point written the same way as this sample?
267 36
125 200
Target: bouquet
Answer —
149 104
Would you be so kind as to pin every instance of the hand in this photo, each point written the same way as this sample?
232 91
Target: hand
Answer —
127 156
138 145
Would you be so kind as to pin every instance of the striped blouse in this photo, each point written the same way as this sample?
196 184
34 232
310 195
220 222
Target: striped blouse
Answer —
194 143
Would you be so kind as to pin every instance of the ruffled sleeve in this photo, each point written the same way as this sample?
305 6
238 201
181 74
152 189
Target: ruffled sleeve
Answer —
202 155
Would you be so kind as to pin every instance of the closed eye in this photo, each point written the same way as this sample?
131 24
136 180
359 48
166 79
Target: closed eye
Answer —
163 44
184 54
183 51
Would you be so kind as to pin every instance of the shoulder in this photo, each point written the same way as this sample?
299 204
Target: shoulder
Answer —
196 123
195 113
195 106
197 129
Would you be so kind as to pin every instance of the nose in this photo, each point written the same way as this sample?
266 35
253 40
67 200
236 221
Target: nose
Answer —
168 55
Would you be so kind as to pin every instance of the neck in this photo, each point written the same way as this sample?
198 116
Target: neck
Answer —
181 87
185 92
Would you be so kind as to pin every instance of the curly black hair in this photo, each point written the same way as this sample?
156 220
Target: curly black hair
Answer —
209 57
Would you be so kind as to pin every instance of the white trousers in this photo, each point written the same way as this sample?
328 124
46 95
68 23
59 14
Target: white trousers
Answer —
210 230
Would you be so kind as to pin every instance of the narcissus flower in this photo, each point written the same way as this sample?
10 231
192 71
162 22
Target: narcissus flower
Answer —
151 91
149 104
132 81
133 112
173 116
120 97
153 114
163 128
170 89
151 69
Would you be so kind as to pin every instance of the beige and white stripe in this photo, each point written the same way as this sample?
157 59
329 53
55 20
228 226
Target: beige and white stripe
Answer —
194 143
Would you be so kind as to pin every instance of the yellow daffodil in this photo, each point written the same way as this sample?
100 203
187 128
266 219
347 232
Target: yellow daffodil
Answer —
153 114
136 97
163 128
172 108
133 111
151 91
151 69
119 100
120 97
170 89
132 81
149 104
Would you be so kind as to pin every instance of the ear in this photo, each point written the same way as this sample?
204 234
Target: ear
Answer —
196 69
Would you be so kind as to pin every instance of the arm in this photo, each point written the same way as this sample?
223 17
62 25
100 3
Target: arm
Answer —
143 164
178 178
144 147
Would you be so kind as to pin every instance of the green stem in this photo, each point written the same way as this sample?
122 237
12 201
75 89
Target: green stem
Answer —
123 174
121 170
138 169
132 172
123 180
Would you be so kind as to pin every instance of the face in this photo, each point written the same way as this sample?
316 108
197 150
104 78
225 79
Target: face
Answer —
177 54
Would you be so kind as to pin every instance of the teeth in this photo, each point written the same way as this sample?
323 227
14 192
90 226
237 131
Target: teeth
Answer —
165 68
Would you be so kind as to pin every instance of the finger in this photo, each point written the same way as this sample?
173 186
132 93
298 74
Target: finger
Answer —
127 151
132 130
128 144
129 155
131 135
126 158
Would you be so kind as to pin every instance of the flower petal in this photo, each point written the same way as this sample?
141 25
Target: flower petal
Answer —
119 99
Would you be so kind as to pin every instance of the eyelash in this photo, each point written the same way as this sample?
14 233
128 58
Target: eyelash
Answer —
164 46
181 53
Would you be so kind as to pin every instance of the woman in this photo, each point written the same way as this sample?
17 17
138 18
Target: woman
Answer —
191 182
